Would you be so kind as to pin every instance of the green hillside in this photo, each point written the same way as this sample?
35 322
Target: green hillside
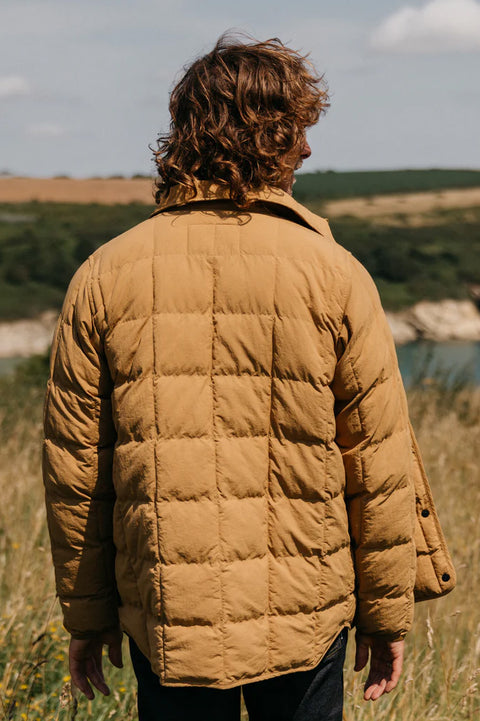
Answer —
330 184
42 244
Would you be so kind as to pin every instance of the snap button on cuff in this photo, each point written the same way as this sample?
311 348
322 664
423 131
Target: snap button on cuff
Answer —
425 512
445 577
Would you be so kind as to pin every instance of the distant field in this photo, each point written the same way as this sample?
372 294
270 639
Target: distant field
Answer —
329 184
106 191
414 208
318 187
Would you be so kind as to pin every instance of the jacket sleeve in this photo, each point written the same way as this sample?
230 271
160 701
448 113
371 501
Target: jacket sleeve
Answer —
77 465
374 437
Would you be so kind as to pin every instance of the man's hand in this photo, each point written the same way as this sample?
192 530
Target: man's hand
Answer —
386 663
85 659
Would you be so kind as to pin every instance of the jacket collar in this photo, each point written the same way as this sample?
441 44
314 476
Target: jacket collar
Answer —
211 191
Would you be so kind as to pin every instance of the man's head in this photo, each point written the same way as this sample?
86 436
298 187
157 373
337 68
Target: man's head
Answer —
239 116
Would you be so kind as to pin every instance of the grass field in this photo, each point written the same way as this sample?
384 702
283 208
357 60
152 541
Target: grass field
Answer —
442 670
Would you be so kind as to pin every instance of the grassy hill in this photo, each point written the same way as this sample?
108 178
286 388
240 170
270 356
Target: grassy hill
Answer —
330 184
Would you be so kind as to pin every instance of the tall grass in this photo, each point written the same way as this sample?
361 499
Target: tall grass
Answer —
34 680
442 667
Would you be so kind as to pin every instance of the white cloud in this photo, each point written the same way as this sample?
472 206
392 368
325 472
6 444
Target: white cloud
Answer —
12 85
45 130
438 26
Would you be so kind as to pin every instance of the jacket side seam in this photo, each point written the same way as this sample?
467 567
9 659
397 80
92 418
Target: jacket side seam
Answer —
159 598
270 450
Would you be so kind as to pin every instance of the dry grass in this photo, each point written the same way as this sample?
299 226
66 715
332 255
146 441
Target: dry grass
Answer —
421 208
440 682
106 191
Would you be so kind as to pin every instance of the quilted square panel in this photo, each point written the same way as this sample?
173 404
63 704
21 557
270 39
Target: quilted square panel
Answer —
184 646
133 406
291 637
242 466
200 544
245 284
243 528
185 468
242 405
303 352
191 594
183 405
134 470
128 291
182 343
297 470
294 584
299 412
243 343
129 349
246 646
296 527
183 283
243 599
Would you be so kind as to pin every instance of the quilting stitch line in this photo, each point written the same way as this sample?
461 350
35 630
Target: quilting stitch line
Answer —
215 440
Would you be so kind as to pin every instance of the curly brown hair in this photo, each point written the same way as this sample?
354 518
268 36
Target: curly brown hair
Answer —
238 117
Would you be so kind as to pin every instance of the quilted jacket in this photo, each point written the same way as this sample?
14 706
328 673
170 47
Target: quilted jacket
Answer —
228 461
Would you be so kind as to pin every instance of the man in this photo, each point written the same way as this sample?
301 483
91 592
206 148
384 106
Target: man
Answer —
229 468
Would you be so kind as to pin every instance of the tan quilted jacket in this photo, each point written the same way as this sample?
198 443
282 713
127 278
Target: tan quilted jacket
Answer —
228 461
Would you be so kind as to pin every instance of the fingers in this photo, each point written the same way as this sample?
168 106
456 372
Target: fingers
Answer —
79 679
77 654
95 675
114 641
115 654
361 653
385 668
85 662
85 659
378 678
375 690
395 675
82 677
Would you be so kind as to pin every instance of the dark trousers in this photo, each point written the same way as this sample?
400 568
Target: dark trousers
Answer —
315 695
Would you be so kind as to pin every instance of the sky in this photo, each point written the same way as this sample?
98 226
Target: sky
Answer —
84 84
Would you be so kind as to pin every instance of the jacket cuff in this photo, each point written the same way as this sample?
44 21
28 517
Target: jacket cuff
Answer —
399 636
87 635
88 617
388 618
